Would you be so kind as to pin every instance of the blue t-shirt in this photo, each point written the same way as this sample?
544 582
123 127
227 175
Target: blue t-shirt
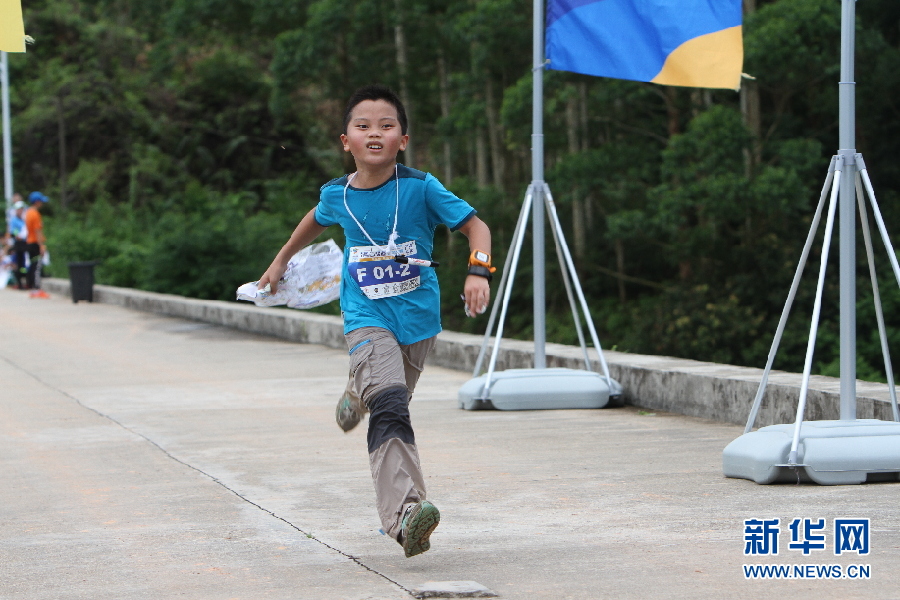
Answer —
17 228
375 290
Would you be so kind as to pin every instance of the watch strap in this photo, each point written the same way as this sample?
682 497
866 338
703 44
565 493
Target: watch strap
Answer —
481 271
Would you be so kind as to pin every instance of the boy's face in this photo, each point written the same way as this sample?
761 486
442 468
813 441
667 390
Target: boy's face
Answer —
373 135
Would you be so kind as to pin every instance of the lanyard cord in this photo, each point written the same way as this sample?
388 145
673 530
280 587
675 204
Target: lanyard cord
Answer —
391 247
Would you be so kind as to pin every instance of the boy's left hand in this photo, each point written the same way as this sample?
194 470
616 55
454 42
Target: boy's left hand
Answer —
477 295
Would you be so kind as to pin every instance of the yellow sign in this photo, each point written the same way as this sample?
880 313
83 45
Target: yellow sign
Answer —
12 28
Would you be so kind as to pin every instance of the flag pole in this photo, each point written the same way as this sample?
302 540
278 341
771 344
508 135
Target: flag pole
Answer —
537 186
539 387
847 211
7 142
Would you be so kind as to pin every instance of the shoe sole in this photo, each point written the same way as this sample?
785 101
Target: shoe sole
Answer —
421 523
346 417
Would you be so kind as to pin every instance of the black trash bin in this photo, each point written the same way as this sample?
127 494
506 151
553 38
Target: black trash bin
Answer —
81 278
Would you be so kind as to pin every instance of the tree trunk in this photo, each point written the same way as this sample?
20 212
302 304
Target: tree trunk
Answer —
402 69
133 186
578 229
481 158
63 174
701 100
445 113
589 210
674 123
495 136
750 111
583 115
572 124
620 269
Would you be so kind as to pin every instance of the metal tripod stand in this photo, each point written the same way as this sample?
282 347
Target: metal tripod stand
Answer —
848 450
570 279
832 181
539 388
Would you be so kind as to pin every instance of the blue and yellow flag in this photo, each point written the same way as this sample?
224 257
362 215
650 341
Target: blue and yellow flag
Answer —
692 43
12 29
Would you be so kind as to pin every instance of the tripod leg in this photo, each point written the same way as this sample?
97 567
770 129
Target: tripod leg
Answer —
795 284
817 309
485 393
551 209
876 212
876 296
508 273
568 284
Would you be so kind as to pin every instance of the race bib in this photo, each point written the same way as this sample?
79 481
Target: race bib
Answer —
378 275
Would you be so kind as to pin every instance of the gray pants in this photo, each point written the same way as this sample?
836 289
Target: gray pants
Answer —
384 374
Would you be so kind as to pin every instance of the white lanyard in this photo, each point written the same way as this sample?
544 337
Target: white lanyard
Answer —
391 247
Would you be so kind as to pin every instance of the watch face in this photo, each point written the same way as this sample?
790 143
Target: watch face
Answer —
482 256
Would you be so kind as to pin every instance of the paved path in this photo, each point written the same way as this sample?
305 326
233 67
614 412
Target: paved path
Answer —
146 457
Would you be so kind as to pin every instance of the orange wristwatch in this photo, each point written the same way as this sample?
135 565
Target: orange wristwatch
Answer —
480 265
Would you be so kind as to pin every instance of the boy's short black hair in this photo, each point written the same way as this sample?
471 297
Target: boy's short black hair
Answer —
376 92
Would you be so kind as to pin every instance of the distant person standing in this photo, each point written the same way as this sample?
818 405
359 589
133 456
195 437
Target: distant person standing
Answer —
18 235
37 243
11 212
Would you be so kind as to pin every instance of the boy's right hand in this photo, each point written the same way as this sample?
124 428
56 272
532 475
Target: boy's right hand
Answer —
271 277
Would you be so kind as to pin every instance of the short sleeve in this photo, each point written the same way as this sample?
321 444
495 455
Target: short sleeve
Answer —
324 216
444 206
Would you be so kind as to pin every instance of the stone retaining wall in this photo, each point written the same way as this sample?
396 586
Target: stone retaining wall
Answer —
700 389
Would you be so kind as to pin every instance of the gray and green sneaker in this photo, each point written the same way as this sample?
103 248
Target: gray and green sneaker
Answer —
418 523
349 411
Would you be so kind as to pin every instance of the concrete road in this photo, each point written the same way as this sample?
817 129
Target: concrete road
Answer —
145 457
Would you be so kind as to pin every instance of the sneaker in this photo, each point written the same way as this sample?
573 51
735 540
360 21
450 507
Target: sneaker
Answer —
418 523
349 411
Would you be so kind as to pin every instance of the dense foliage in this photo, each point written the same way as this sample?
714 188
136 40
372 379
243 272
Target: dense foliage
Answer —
182 140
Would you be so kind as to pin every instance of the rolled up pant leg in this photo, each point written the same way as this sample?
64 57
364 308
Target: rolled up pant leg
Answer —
393 457
384 375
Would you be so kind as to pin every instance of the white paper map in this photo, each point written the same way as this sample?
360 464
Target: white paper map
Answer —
312 278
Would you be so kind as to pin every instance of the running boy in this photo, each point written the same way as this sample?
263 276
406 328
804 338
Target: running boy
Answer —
391 309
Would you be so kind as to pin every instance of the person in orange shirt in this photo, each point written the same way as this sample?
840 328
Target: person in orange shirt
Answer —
36 242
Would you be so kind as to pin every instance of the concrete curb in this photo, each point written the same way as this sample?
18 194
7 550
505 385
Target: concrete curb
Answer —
699 389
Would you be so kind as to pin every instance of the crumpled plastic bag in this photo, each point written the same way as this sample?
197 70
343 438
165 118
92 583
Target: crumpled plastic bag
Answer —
312 278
